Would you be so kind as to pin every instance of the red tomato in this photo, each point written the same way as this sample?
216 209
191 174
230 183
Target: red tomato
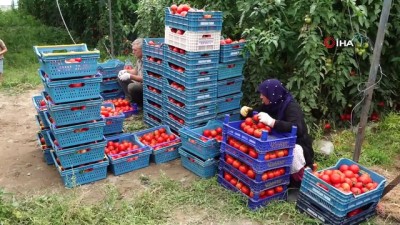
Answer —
218 130
255 118
335 178
251 174
249 121
343 168
355 168
349 173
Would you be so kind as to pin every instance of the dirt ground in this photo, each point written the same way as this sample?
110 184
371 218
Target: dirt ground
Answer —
23 170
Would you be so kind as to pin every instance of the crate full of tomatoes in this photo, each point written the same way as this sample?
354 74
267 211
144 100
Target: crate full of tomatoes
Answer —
204 141
163 143
124 106
259 136
114 119
126 154
344 187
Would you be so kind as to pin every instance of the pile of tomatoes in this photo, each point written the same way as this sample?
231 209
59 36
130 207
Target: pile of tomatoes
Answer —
347 179
252 126
159 139
109 112
121 105
116 149
212 134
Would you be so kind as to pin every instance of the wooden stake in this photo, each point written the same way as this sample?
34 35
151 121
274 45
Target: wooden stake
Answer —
372 77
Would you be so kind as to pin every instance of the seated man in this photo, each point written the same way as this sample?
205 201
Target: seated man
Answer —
131 80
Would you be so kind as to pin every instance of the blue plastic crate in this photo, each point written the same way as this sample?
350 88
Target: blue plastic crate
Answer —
156 50
154 83
149 98
147 107
41 110
202 168
232 52
114 94
199 92
306 205
78 89
191 140
156 64
259 164
79 155
77 134
191 70
251 203
234 115
189 104
74 112
230 86
151 77
110 68
337 202
229 102
123 162
230 69
256 184
194 113
151 119
114 124
188 121
194 21
192 59
108 85
268 142
67 61
47 156
191 81
162 152
153 89
84 174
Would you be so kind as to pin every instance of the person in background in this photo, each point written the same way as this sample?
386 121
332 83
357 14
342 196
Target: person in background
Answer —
131 80
3 50
280 111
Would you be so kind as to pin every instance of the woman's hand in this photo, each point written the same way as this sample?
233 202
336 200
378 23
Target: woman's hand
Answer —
245 110
266 119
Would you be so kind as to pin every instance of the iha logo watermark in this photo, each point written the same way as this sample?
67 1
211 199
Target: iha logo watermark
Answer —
331 42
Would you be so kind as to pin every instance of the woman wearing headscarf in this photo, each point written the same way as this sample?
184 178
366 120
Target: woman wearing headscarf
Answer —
280 111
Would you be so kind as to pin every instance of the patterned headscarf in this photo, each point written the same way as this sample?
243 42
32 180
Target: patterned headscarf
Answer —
278 96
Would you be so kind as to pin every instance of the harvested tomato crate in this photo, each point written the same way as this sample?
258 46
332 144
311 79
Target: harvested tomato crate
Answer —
195 20
162 151
257 183
128 161
336 201
193 41
254 202
309 206
267 142
192 142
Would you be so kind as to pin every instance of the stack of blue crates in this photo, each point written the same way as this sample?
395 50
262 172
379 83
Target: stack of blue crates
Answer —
332 206
69 110
109 87
153 85
191 56
268 178
230 79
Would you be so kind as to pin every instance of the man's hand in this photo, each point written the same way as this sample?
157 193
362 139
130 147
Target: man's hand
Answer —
123 75
245 110
266 119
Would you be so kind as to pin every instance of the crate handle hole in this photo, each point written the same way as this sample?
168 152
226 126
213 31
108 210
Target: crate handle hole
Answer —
81 130
86 171
132 159
83 151
78 108
77 85
73 60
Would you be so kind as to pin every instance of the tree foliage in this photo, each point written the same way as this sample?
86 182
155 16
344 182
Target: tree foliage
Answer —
285 41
